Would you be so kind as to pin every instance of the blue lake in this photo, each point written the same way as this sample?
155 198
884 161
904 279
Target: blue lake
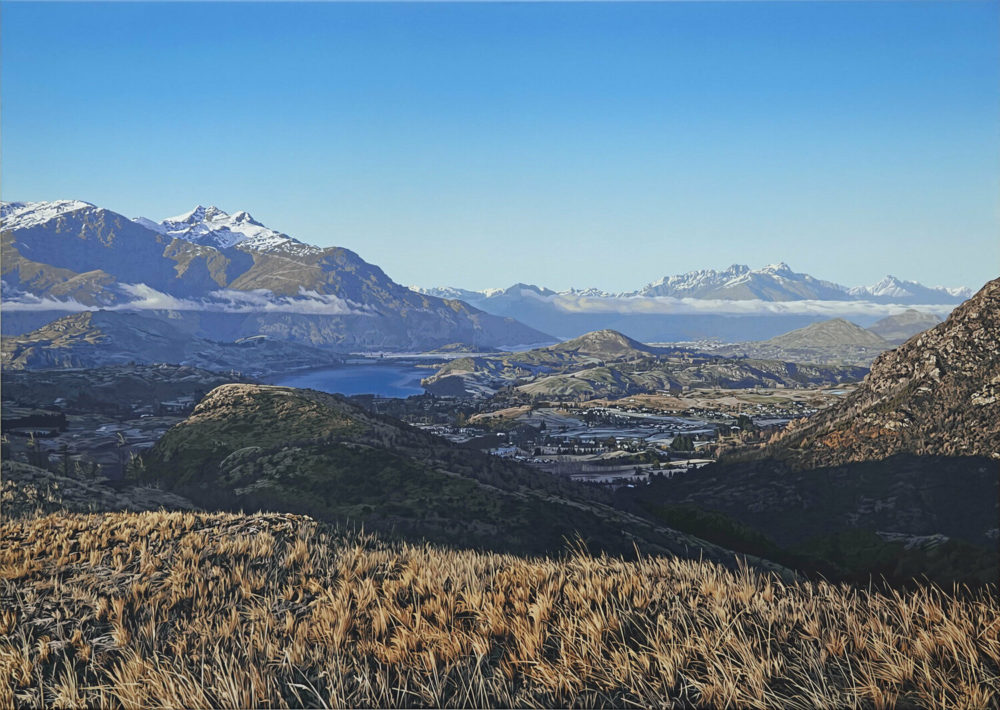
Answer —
386 380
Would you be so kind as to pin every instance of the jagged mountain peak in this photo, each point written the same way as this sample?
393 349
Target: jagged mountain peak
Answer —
213 226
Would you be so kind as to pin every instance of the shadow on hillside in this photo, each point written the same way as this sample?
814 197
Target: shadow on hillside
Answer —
901 518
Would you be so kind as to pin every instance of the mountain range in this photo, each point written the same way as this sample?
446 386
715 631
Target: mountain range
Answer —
703 304
772 283
228 275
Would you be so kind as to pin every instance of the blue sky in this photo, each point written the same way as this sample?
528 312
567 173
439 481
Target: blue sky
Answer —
562 144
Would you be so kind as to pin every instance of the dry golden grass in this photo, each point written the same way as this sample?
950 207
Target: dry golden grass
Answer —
190 610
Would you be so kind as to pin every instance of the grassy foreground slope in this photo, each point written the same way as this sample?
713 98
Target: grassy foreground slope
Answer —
220 610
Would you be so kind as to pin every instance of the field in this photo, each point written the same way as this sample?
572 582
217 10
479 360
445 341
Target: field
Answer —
200 610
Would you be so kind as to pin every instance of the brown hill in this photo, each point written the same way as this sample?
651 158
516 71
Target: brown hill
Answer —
275 448
829 333
903 326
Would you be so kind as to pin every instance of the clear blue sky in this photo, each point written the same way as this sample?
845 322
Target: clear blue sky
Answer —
561 144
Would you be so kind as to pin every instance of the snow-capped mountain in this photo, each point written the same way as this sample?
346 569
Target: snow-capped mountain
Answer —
892 289
210 226
226 276
703 304
774 282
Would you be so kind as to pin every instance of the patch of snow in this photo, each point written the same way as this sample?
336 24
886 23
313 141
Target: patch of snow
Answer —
21 215
211 226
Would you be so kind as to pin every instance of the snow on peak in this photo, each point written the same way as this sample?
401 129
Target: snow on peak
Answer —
211 226
957 291
779 268
20 215
903 290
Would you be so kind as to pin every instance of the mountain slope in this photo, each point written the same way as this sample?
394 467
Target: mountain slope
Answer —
279 448
47 244
216 610
98 338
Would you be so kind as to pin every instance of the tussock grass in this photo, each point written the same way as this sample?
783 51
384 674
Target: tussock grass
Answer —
220 610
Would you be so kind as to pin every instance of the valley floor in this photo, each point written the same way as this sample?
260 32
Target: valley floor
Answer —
220 610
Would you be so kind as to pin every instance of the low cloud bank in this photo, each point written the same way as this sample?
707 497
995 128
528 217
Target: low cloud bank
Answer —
669 305
143 297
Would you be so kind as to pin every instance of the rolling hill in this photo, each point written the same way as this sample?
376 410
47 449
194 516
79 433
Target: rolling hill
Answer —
835 341
608 364
216 610
830 333
899 328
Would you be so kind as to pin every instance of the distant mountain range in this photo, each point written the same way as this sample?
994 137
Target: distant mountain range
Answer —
702 304
229 275
772 283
